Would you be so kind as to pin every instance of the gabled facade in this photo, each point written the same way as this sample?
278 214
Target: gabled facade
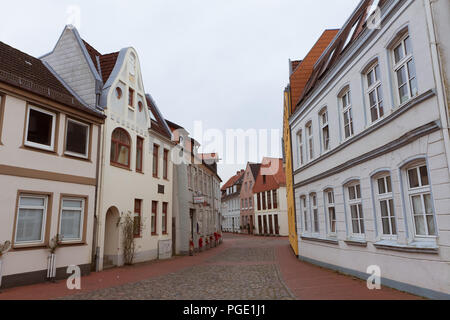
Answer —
136 168
247 205
231 208
49 155
371 149
270 199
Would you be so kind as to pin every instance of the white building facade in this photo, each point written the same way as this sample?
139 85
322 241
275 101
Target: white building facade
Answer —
231 203
371 150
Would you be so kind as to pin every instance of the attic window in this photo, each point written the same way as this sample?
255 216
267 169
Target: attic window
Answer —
140 106
350 35
372 9
118 93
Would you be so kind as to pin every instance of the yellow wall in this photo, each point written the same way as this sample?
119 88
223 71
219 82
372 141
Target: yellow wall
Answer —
293 239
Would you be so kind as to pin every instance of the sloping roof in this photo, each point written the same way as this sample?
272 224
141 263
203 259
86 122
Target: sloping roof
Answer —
274 181
31 74
163 128
303 70
254 167
107 61
295 64
233 180
357 23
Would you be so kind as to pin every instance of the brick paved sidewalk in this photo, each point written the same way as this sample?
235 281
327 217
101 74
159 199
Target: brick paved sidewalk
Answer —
243 268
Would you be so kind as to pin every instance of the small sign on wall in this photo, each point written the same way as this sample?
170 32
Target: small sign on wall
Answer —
165 249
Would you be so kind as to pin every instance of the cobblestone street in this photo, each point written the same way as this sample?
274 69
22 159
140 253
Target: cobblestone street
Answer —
243 268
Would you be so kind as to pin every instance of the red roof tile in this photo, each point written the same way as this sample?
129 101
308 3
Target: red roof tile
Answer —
273 170
107 61
232 181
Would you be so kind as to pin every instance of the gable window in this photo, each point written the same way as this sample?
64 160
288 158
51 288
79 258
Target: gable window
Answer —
419 192
375 93
330 211
120 148
118 93
314 212
72 219
347 114
164 218
405 70
131 98
166 164
137 218
386 205
154 217
304 212
31 219
356 209
155 160
77 139
310 141
300 147
40 130
139 153
325 130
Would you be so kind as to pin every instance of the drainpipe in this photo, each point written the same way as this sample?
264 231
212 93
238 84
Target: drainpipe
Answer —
438 75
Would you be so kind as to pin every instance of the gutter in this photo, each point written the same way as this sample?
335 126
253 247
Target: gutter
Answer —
438 76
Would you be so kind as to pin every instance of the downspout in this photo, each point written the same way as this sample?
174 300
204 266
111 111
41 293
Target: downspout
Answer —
438 75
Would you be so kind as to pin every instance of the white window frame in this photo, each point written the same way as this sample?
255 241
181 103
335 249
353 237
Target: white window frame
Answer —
82 211
88 137
301 159
407 58
421 191
309 141
330 204
387 196
44 218
315 223
38 145
304 209
346 102
357 202
375 88
324 124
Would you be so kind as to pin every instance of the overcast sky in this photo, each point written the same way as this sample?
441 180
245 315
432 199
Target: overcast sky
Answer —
224 62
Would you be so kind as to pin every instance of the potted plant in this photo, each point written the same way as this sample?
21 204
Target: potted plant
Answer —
4 248
54 244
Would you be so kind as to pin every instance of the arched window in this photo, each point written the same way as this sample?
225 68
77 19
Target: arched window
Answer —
325 129
330 211
347 113
385 203
314 212
120 148
355 207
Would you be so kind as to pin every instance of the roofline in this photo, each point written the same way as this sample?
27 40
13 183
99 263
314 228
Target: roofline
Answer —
114 74
162 119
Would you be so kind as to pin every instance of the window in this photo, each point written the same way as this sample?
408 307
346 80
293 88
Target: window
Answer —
31 219
275 199
139 153
258 196
386 205
154 217
356 210
137 217
40 130
314 212
330 211
269 200
250 200
166 164
118 93
264 179
72 219
405 70
304 210
347 114
375 93
164 218
419 191
264 204
310 141
325 130
77 139
140 106
155 160
131 98
300 148
120 148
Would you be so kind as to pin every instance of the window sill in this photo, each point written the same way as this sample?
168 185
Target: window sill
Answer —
120 166
73 244
80 158
28 247
320 239
356 242
417 246
37 149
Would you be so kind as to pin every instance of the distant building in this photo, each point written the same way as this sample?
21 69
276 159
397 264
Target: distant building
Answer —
231 208
270 199
246 195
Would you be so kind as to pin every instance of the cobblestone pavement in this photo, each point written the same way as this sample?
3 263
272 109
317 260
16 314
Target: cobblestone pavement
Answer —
243 268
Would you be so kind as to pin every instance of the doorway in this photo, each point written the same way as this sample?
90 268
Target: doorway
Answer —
112 239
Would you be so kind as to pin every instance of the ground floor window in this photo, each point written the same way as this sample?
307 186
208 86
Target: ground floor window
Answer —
31 219
72 219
